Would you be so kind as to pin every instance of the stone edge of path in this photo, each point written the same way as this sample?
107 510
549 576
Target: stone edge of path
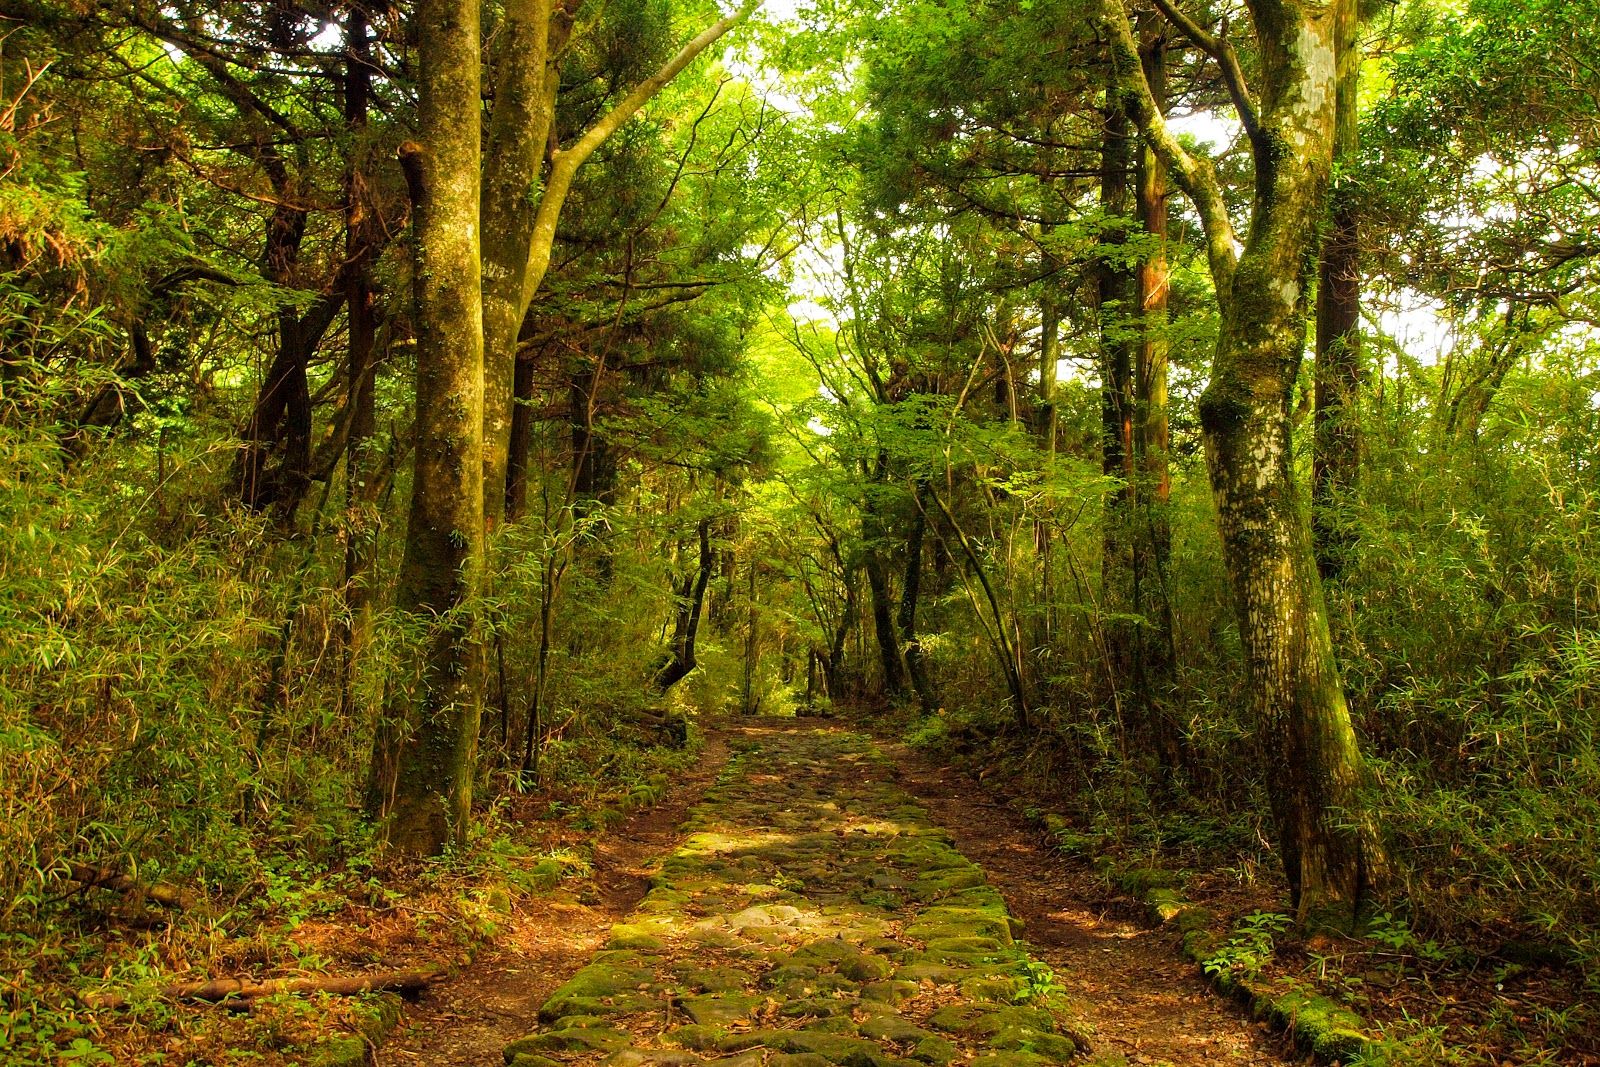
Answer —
376 1022
1317 1025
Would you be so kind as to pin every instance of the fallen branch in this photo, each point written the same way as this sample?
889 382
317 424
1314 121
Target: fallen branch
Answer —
163 893
220 990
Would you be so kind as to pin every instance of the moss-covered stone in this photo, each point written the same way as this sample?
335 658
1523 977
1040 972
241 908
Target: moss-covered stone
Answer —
575 1039
627 936
714 979
634 1057
836 1048
1012 1059
797 1059
719 1009
863 967
892 1028
893 993
935 1050
694 1036
996 989
1027 1039
1137 881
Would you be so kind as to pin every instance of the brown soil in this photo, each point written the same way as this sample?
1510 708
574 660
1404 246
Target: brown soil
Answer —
467 1021
1144 1000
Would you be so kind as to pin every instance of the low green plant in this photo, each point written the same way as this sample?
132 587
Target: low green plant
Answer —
1248 951
1036 982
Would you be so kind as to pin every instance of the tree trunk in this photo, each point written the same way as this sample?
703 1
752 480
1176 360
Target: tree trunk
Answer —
1314 771
1336 455
361 527
691 603
274 460
1116 293
519 227
748 701
910 590
430 799
521 440
529 39
1152 534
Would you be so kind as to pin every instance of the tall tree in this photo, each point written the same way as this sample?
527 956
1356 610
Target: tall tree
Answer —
523 199
427 797
1336 450
1329 850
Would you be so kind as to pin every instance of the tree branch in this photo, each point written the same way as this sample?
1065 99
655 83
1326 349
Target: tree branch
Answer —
1220 49
1195 176
565 162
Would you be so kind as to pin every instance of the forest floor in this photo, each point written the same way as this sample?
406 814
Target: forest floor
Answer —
830 900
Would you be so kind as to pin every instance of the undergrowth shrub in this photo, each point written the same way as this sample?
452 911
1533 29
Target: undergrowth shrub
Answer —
1471 645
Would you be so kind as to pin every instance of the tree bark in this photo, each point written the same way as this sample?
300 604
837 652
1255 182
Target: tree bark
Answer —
910 591
872 538
1336 454
219 990
361 526
1116 295
1152 534
521 440
520 229
163 893
430 798
530 38
691 603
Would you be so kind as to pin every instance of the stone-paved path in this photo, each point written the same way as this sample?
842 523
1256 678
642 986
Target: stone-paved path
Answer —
814 917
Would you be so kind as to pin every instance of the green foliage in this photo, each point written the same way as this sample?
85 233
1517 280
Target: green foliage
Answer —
1250 947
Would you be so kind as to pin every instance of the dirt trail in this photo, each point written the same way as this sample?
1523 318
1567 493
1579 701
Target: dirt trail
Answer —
1142 998
828 910
467 1021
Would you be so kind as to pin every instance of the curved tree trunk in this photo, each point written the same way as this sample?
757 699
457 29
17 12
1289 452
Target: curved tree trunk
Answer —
691 604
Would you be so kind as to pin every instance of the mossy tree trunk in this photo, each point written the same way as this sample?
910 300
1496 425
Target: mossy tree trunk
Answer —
361 476
428 797
910 595
529 40
1315 772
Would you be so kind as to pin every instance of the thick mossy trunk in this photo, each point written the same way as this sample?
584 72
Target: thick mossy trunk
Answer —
429 799
1314 773
1313 765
